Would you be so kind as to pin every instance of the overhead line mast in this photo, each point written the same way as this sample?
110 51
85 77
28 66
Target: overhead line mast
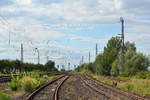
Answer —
122 60
96 49
89 57
21 52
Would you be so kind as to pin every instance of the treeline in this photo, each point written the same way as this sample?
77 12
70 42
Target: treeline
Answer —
108 63
13 66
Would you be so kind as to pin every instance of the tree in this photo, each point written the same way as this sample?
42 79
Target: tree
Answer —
137 63
115 68
50 66
104 61
107 63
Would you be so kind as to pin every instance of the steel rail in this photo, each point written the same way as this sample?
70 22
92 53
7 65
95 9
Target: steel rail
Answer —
31 96
118 91
110 97
56 96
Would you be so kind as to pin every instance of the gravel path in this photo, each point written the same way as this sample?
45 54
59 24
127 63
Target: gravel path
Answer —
75 89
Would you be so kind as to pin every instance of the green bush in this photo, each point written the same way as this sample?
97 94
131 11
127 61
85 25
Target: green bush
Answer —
14 84
52 78
41 80
143 75
4 96
140 86
103 79
129 86
28 86
28 83
33 74
85 71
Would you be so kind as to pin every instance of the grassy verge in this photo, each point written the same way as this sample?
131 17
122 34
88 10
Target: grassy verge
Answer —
139 86
4 96
28 82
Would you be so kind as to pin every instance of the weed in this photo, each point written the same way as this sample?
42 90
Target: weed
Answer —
14 84
140 86
28 83
70 81
4 96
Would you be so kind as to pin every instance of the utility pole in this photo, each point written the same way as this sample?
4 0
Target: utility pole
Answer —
96 49
58 67
82 60
122 46
21 52
38 55
74 67
47 58
89 57
68 66
9 37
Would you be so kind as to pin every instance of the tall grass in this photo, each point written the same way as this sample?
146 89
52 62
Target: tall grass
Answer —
28 82
4 96
139 86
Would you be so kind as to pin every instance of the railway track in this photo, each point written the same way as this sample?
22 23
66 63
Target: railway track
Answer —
49 91
107 92
115 79
94 87
4 79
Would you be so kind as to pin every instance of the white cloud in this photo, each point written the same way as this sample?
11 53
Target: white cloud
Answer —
118 4
41 33
137 37
25 13
87 39
24 2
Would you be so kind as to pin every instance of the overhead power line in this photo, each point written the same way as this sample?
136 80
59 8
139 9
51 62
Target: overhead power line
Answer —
4 19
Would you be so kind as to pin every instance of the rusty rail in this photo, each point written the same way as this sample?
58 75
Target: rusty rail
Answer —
108 96
56 96
5 79
117 91
31 96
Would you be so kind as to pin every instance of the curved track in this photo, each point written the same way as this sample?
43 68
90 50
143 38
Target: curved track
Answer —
108 92
48 91
4 79
56 93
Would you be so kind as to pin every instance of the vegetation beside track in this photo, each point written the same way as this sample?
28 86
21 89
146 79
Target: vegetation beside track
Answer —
4 96
16 66
23 83
28 81
108 64
136 85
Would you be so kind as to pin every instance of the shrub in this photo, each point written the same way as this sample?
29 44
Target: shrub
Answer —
14 84
4 96
103 79
52 78
86 71
143 75
140 86
28 83
41 80
32 74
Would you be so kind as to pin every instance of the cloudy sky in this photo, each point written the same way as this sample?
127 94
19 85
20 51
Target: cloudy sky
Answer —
65 30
